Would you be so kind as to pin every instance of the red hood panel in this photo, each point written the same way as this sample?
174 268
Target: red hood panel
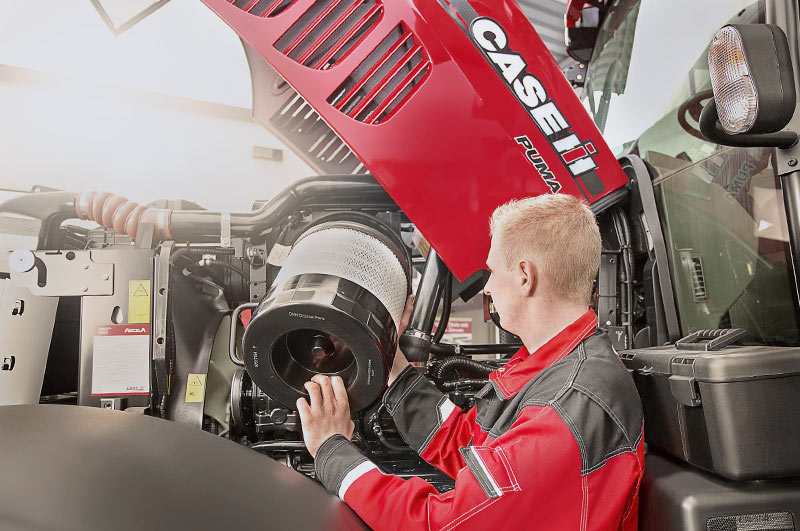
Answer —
454 106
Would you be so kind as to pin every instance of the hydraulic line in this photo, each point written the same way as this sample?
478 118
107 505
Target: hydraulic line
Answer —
464 383
466 350
386 442
453 363
622 228
182 251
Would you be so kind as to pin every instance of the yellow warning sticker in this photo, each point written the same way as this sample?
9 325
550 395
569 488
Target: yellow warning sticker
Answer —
138 301
195 387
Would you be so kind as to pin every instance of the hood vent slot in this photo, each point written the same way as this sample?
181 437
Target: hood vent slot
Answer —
385 79
304 128
328 31
263 8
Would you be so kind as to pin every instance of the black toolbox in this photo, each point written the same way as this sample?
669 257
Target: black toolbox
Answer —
734 411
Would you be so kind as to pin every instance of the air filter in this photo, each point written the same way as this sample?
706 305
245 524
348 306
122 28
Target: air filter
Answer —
333 309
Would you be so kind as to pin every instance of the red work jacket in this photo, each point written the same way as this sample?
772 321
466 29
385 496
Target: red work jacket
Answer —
554 442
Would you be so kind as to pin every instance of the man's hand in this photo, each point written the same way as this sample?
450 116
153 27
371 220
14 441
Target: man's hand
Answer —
400 361
328 414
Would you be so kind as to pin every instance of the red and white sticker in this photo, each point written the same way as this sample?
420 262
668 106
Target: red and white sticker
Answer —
121 360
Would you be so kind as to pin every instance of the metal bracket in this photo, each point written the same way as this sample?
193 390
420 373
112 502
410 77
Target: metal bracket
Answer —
159 337
61 274
225 229
607 290
113 403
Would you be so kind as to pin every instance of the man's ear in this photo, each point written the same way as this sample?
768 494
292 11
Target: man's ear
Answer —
528 277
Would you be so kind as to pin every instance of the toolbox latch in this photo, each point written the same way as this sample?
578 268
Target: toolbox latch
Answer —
685 390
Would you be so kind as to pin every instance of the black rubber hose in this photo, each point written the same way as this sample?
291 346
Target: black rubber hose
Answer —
456 350
464 383
350 190
245 275
447 303
183 251
627 269
387 443
449 364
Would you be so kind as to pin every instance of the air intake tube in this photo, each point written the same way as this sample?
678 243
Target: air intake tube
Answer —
333 309
416 340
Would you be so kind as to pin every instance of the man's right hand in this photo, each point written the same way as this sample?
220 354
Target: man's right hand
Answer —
400 361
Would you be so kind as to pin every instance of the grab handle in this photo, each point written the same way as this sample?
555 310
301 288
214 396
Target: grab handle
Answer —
717 339
234 320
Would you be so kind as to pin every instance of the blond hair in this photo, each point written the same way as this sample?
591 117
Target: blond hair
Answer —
558 233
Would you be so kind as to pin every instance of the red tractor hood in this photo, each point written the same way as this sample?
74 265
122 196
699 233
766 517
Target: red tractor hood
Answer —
455 106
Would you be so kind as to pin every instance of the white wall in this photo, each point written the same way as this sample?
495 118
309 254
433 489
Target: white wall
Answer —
160 111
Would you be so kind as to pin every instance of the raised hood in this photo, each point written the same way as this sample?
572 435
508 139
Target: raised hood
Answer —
455 106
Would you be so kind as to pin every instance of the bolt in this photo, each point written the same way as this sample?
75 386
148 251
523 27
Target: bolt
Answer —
608 323
84 289
792 162
579 77
105 277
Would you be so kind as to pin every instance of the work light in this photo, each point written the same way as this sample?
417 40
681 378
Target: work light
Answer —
751 76
734 91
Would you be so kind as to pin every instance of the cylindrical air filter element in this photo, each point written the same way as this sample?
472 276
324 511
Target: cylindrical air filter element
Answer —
333 309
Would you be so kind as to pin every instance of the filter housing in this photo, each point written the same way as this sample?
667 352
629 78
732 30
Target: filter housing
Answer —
333 309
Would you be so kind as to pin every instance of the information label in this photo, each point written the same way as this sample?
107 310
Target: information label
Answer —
120 360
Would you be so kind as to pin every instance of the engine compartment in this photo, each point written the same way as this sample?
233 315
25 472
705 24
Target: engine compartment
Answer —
221 335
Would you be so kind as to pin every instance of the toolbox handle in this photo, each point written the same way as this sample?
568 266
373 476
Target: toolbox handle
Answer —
717 339
234 319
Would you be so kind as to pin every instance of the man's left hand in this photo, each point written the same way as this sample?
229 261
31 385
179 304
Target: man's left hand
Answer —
327 415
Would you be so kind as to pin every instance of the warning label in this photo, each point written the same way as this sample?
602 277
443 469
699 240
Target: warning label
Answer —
195 387
139 301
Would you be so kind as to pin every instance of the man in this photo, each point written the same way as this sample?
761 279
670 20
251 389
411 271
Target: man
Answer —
555 440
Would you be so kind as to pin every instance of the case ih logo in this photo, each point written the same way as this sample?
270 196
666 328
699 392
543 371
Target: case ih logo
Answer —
492 40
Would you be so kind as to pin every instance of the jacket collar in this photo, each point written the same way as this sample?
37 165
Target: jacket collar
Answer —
523 366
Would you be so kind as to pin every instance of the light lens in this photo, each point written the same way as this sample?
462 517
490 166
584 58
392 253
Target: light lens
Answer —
734 91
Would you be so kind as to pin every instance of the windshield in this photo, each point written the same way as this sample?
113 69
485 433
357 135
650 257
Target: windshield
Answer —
721 208
641 58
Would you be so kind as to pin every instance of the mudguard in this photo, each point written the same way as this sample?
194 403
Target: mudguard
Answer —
455 106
